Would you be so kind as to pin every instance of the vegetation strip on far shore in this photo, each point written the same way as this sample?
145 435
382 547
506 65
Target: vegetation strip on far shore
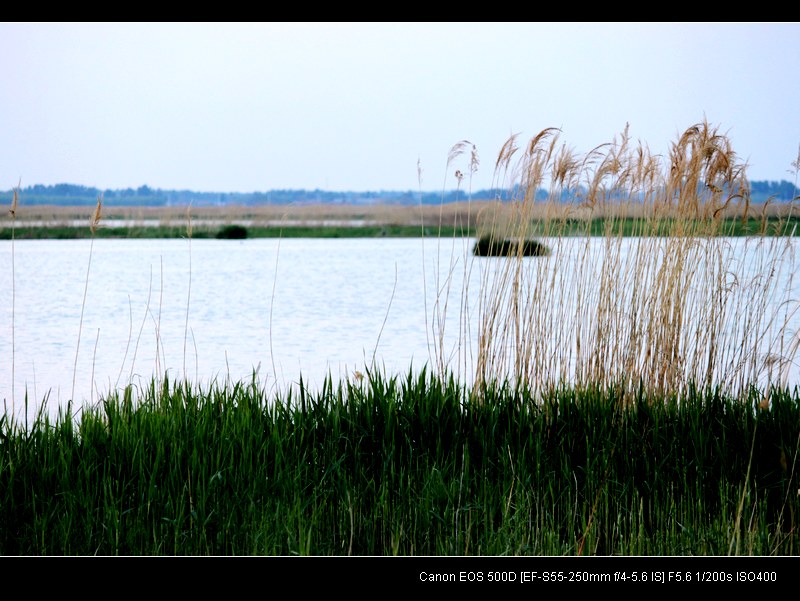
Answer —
772 226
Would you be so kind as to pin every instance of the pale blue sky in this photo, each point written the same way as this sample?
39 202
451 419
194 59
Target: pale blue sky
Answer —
354 106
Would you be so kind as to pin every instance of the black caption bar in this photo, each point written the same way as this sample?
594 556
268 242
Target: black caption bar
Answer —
183 575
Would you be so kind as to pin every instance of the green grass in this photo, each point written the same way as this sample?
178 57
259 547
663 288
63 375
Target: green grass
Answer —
629 226
637 226
200 231
403 466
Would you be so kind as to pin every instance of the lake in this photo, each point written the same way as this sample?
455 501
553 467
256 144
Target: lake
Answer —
208 310
230 310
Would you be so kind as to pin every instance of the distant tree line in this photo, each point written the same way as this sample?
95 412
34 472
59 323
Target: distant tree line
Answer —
782 190
73 194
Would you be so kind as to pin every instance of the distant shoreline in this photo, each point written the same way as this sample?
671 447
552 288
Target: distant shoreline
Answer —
459 219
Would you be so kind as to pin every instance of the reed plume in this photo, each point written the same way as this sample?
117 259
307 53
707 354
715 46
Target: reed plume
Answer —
661 299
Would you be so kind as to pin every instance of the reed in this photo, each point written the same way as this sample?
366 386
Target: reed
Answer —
93 225
662 298
189 288
13 213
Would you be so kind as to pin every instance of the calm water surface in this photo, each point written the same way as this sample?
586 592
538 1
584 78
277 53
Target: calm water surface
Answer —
224 310
210 310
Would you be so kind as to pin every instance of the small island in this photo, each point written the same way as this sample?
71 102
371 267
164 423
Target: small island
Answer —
489 246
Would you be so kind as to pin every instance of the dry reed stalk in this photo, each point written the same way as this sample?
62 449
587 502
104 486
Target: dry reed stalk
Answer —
13 212
93 224
189 291
444 281
662 311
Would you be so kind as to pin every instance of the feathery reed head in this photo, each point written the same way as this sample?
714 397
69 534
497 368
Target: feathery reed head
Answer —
14 200
657 295
97 215
458 149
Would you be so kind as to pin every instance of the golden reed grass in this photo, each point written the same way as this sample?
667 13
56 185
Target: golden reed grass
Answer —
690 306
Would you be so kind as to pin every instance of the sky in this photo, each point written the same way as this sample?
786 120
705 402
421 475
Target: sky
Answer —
369 106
